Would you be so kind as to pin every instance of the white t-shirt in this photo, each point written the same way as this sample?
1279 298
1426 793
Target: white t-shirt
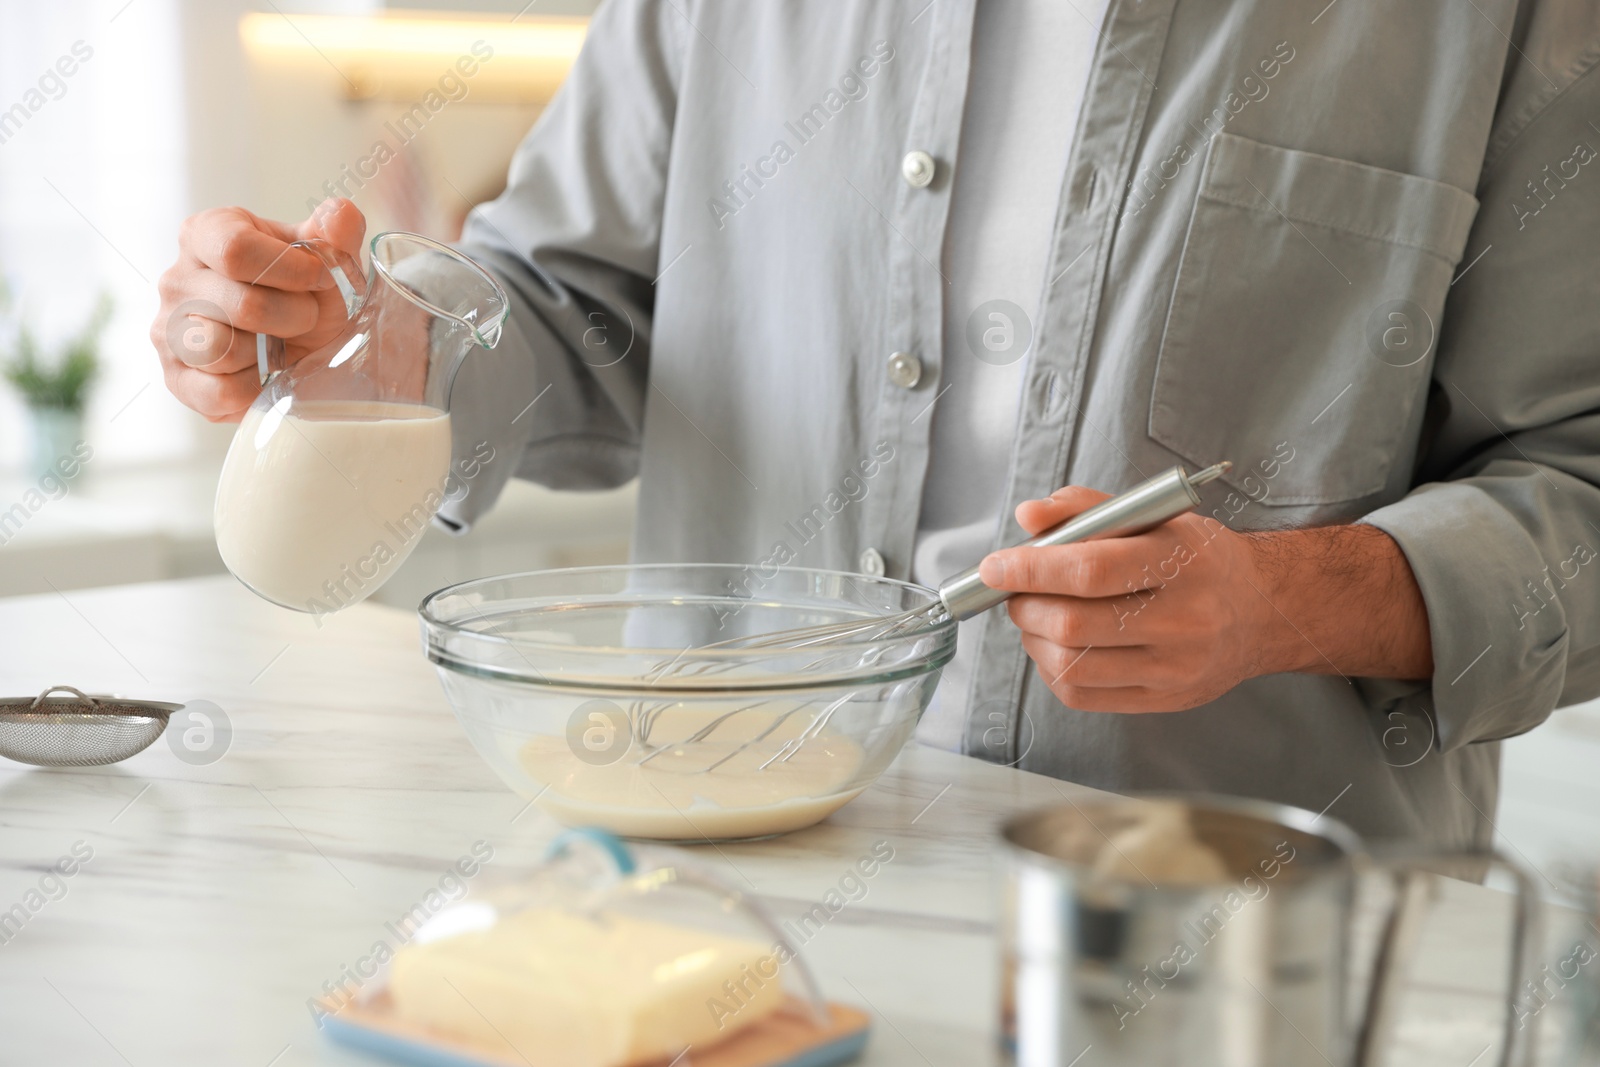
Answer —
1030 65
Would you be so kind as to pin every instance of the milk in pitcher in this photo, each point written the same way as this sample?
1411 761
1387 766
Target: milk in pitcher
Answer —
320 501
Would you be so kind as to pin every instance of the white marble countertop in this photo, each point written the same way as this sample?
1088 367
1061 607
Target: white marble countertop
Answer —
219 899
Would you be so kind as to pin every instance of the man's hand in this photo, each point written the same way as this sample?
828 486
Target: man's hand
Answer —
1175 617
236 276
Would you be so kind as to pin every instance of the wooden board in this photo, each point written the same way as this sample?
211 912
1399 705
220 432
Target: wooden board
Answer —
786 1038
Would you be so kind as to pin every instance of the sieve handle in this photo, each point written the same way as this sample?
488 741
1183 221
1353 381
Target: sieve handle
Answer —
1144 507
79 693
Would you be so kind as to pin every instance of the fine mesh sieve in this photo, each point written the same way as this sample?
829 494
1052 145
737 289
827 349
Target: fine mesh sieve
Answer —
80 730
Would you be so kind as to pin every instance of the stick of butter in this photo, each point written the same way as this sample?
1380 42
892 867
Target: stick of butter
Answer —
563 989
1160 845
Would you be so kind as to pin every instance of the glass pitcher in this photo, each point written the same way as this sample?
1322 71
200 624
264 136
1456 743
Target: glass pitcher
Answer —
338 467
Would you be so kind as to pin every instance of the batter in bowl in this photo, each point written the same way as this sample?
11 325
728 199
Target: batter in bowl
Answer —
678 795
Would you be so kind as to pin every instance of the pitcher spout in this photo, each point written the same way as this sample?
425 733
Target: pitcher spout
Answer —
442 282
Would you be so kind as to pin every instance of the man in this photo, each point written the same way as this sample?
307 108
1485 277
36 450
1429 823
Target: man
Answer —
847 284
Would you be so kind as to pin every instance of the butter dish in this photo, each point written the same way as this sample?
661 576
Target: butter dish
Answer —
609 956
787 1038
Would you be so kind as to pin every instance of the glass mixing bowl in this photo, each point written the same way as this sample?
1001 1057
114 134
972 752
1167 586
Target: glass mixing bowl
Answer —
589 692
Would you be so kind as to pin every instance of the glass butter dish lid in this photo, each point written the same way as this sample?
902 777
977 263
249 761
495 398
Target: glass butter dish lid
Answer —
609 955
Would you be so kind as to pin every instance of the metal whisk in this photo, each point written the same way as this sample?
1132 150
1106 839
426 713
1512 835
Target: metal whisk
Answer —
644 719
1144 507
78 731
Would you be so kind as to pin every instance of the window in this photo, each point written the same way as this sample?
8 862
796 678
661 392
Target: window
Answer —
93 183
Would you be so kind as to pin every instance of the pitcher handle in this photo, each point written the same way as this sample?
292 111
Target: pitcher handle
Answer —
270 358
1398 940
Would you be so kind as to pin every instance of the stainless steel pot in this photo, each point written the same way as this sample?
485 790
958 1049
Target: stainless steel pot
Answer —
1253 969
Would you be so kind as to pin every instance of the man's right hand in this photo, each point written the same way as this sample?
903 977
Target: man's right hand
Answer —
236 276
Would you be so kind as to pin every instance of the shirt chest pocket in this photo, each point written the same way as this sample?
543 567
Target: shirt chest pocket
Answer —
1303 319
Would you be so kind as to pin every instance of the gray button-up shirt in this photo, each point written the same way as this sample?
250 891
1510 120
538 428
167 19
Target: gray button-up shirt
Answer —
1349 247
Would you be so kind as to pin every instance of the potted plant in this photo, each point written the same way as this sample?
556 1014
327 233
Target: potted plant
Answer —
55 390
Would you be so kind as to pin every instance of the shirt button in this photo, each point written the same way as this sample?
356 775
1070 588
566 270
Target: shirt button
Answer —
1050 396
917 169
871 562
905 370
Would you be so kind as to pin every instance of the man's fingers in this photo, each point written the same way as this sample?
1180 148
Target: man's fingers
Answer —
1057 664
194 335
1127 700
1036 516
201 341
283 231
1103 622
237 277
339 222
219 397
1101 680
256 308
238 246
1111 567
1097 667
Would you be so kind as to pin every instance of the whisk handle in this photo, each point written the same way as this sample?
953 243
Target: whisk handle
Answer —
1144 507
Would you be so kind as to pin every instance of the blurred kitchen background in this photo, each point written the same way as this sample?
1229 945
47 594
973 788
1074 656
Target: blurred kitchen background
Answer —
173 106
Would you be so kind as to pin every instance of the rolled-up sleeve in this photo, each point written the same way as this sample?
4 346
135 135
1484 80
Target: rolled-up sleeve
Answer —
1503 527
575 241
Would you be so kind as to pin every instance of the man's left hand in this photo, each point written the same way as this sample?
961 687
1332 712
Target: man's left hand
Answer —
1175 617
